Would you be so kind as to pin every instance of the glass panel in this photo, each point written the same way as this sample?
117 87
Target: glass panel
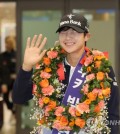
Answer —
102 29
36 22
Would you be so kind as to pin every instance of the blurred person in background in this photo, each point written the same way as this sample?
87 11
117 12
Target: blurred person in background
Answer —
8 72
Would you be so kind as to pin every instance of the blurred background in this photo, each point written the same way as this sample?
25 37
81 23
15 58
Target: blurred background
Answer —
22 18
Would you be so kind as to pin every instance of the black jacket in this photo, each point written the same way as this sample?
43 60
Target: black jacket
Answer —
7 67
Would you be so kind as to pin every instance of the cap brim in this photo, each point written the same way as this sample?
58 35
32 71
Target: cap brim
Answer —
78 29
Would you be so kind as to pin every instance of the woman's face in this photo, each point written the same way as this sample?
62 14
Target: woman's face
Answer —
72 41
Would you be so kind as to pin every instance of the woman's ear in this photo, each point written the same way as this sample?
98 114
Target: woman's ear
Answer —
87 36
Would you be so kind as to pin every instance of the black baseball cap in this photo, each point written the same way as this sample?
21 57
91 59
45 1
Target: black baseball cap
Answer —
76 21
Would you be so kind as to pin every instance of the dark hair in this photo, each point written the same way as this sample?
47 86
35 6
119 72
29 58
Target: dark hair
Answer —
84 36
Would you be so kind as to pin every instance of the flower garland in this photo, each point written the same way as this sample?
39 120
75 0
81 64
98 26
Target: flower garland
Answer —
91 113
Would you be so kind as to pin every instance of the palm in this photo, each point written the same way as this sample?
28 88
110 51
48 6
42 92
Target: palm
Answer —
32 56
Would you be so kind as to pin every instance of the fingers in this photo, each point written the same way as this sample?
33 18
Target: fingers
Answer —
28 42
42 53
38 40
43 43
33 40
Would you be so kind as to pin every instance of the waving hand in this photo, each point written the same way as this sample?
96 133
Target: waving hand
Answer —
33 52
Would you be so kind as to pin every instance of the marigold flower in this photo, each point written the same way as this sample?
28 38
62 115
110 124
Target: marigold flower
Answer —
97 109
58 117
87 101
80 122
102 84
100 76
92 96
106 92
64 120
52 104
44 83
46 61
97 64
77 113
72 123
89 69
42 121
99 57
100 96
47 69
46 100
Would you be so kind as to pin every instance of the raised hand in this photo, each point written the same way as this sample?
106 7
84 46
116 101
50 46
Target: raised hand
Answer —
33 52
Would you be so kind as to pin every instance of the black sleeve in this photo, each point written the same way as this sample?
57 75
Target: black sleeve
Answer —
113 105
22 88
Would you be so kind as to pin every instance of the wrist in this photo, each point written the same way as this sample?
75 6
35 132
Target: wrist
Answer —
26 67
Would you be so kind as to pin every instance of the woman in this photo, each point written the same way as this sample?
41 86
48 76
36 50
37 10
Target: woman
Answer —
73 34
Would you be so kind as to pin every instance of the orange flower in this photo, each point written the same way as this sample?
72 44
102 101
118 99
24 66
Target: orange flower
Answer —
102 84
88 69
77 113
106 92
46 100
44 83
42 121
46 61
64 120
87 101
80 122
52 104
100 96
100 76
98 57
97 64
91 96
58 117
47 69
71 124
97 109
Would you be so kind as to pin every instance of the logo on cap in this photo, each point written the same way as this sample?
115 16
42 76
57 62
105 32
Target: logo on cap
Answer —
70 16
75 21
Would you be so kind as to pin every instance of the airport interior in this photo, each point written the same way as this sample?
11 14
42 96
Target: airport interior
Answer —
20 19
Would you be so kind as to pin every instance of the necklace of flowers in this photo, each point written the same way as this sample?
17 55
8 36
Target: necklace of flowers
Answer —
90 115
